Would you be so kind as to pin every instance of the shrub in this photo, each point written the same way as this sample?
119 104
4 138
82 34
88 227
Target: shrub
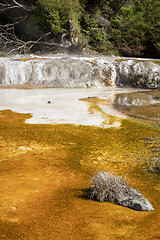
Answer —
112 188
154 166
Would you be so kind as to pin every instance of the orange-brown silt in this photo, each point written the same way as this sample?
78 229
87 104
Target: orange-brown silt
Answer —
44 176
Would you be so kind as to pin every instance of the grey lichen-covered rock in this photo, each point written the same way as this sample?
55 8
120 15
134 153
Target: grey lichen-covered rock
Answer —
139 204
138 73
108 187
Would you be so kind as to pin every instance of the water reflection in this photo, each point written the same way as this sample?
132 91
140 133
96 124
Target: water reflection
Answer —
144 105
93 107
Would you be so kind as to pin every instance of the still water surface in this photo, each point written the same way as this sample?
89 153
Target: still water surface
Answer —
63 105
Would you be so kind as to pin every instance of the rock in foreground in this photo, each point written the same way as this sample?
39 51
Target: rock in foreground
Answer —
108 187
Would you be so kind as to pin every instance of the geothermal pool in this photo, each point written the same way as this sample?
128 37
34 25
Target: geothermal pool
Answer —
91 107
103 107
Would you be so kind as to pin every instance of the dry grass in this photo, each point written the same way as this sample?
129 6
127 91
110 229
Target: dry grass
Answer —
112 188
154 166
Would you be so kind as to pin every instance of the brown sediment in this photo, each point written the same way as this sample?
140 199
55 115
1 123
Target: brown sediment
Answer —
44 172
22 86
31 58
138 60
150 114
95 104
96 100
157 62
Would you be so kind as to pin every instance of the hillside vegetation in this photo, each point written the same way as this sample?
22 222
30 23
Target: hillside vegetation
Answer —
121 27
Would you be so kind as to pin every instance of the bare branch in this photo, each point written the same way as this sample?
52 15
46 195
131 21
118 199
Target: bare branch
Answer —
22 6
10 43
5 6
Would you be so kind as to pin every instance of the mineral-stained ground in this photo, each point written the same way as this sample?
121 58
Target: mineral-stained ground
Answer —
44 176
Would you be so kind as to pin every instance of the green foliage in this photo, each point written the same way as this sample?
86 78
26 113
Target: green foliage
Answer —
53 15
93 30
135 23
137 28
107 7
50 22
66 7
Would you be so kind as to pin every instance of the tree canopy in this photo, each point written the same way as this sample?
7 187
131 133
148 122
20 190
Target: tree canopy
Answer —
123 27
